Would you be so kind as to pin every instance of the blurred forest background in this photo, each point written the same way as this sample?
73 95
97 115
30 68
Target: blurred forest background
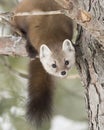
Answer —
69 107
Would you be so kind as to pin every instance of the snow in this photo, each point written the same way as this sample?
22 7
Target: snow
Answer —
5 123
62 123
17 111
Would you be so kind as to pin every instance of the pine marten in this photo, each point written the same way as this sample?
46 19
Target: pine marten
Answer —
49 37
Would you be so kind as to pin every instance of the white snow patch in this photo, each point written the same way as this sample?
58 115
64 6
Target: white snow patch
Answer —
62 123
5 94
17 111
5 123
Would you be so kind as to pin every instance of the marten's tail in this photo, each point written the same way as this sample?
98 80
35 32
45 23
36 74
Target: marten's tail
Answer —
40 91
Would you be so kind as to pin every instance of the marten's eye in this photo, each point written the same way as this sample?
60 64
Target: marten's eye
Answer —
66 62
54 65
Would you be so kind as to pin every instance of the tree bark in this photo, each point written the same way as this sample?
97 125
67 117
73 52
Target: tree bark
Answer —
90 63
81 14
90 57
14 46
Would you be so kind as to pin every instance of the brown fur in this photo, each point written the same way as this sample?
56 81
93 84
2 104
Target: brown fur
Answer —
43 29
40 93
49 30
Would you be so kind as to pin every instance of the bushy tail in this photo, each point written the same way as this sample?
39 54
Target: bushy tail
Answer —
40 91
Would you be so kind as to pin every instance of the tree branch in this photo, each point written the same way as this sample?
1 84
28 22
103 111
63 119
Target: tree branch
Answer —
14 46
76 10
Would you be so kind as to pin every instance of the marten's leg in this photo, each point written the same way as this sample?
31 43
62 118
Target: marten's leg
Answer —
32 52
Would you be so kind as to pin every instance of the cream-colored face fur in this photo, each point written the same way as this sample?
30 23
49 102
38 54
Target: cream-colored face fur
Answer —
58 63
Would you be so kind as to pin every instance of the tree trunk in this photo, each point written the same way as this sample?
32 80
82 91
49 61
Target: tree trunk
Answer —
90 63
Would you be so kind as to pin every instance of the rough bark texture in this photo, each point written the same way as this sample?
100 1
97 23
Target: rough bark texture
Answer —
90 63
81 14
13 46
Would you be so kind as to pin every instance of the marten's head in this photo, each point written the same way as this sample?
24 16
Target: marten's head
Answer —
58 61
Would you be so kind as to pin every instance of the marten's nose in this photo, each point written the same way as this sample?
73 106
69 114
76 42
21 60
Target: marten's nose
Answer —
63 73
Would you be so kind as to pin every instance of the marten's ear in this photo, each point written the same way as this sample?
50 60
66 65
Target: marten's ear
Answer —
44 51
67 45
